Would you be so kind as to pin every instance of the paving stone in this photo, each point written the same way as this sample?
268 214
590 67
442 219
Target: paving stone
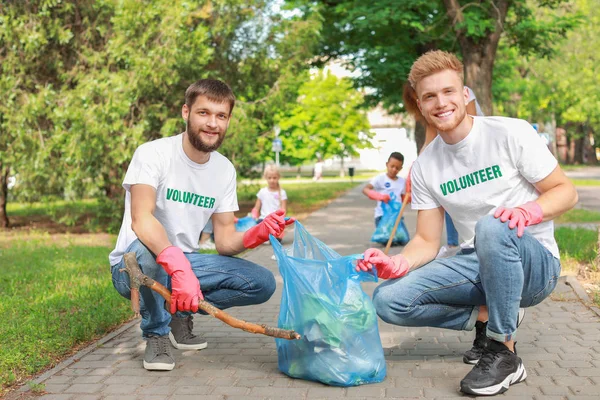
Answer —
559 343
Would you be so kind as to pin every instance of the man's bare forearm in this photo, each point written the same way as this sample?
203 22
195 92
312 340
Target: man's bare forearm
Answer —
557 200
419 251
230 244
151 233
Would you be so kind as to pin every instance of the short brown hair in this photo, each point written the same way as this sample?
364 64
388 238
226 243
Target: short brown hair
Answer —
432 62
214 89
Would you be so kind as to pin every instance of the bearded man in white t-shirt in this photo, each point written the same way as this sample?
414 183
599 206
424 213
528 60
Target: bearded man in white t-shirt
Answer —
502 188
173 187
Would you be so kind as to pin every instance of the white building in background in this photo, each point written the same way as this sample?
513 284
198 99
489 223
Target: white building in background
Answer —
391 133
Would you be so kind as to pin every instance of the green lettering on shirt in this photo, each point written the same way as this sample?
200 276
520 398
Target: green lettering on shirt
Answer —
471 179
195 199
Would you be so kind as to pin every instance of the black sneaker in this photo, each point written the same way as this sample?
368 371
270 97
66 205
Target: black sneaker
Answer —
479 344
497 369
481 340
181 335
158 354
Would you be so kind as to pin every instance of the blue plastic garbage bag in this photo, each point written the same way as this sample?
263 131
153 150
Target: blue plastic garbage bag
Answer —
244 224
323 301
382 233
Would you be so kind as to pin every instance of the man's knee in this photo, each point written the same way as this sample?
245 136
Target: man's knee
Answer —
388 304
265 286
489 228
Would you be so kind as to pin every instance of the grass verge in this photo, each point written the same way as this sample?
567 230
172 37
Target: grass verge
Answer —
586 182
578 215
578 248
54 298
56 294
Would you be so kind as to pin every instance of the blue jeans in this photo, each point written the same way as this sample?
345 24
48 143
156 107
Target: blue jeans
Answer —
451 232
225 282
503 272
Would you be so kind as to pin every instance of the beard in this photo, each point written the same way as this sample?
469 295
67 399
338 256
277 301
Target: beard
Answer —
448 126
195 137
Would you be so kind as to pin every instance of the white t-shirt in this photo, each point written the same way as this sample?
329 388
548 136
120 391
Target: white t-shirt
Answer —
187 193
471 98
495 165
270 201
382 183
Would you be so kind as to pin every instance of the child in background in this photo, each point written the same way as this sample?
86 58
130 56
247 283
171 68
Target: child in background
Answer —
271 198
380 187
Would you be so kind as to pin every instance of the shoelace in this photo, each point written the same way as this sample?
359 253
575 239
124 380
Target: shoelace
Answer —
487 359
161 346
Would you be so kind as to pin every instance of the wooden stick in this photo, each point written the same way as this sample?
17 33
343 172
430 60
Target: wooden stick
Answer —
137 279
391 239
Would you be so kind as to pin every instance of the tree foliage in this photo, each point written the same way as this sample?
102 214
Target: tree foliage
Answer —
565 88
327 121
89 81
382 39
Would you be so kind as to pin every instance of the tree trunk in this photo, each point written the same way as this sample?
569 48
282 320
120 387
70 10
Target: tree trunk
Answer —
342 172
419 135
478 54
590 146
4 172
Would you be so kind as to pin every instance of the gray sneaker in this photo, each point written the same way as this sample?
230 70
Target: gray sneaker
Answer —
181 334
158 354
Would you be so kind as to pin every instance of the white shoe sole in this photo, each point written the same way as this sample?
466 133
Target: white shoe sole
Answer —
180 346
518 376
158 366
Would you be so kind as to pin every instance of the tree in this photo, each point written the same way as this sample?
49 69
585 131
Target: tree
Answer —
563 91
108 75
382 39
38 47
327 121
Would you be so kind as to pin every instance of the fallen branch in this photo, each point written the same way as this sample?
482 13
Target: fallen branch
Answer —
137 279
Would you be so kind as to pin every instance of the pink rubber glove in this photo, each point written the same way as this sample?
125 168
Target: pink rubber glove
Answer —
373 195
527 214
255 214
185 287
387 267
273 224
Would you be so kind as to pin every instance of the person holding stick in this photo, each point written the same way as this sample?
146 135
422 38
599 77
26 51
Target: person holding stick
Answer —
383 185
502 187
173 187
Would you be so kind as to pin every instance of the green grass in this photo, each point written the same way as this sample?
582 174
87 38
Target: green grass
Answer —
578 244
51 208
572 167
579 215
586 182
300 195
56 293
52 299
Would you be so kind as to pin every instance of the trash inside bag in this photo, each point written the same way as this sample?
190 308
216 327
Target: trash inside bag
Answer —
384 229
323 301
245 223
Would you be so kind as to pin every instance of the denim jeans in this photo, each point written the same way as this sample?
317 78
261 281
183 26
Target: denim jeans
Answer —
225 282
503 272
451 232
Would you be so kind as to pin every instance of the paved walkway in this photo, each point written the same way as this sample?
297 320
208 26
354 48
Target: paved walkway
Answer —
559 342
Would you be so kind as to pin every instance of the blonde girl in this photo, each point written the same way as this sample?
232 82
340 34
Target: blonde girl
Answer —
270 198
